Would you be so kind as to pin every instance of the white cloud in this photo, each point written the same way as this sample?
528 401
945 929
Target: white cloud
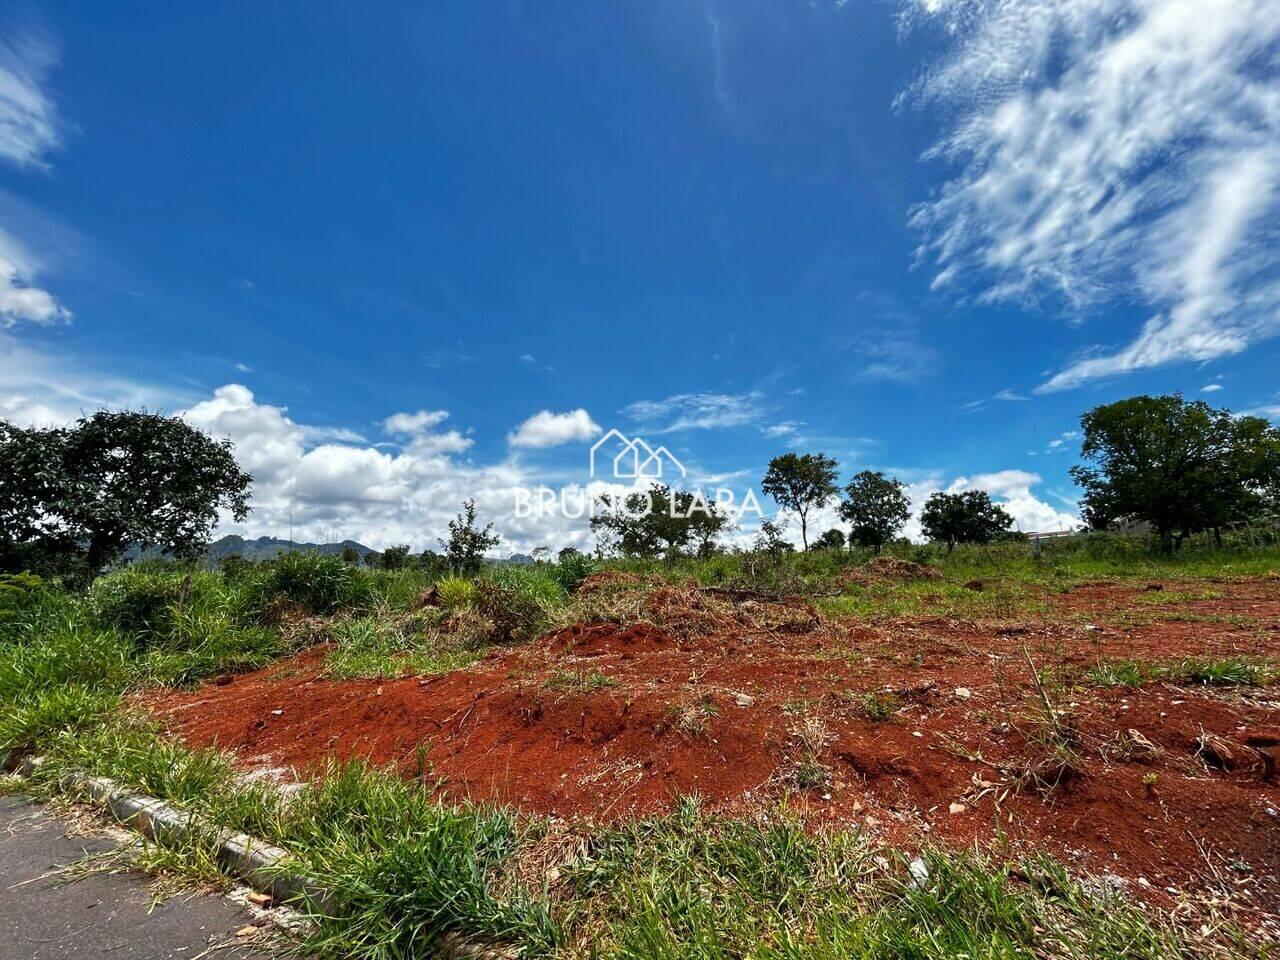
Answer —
1211 388
547 429
785 429
1113 149
698 411
20 299
29 125
414 423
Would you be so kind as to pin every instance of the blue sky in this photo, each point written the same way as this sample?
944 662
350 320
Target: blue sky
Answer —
919 236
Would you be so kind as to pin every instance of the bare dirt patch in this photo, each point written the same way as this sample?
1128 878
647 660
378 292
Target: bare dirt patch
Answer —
913 729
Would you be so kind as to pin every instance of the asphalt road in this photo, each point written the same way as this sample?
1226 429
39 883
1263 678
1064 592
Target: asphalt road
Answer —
44 917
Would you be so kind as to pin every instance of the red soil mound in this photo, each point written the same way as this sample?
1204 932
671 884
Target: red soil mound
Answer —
587 639
924 727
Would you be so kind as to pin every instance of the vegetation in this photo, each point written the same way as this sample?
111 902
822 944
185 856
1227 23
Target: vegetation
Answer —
876 507
1181 466
659 522
801 482
73 499
967 517
468 543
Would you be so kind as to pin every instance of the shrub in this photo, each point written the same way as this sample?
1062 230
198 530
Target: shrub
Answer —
572 569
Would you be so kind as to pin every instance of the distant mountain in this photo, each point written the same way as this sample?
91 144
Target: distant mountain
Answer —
264 548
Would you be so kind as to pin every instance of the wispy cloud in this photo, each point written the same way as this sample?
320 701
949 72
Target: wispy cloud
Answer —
897 356
45 389
1000 396
29 123
1112 149
698 411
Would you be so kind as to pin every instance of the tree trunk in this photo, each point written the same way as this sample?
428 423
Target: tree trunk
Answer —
804 532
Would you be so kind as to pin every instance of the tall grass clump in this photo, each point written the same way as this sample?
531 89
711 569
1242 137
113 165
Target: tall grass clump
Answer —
403 869
317 584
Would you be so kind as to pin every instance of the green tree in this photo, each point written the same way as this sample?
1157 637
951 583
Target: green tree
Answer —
349 555
75 498
1181 466
395 557
432 564
833 539
876 507
966 517
658 522
801 482
468 543
770 539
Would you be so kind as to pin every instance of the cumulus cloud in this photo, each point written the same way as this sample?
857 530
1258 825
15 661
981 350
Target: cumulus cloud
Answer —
29 124
1112 149
322 489
547 429
20 299
414 423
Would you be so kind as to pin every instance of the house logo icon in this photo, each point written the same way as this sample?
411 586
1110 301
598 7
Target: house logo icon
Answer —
631 459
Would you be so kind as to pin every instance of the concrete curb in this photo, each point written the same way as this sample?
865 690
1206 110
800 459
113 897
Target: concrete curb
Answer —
257 863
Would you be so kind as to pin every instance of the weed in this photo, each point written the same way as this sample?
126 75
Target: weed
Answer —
579 681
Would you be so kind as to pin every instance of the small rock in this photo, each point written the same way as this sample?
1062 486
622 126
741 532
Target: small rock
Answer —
1092 628
260 899
956 808
246 931
1154 586
744 699
964 693
277 713
977 585
919 872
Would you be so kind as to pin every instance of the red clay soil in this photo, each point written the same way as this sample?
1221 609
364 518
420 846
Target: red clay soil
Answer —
730 715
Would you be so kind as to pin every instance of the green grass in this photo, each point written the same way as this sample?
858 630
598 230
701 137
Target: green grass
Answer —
379 647
1225 672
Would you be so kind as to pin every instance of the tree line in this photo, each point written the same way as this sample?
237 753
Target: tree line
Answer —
74 499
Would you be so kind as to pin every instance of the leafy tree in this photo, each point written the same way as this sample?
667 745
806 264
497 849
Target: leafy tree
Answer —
567 552
349 555
967 517
658 522
541 554
801 482
833 539
706 524
395 557
78 497
1180 466
770 539
876 508
467 543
